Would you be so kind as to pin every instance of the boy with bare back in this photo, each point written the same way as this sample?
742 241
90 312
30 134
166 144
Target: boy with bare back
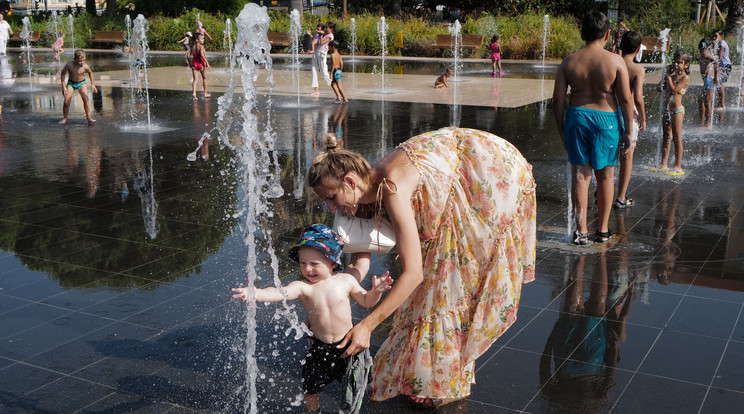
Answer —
75 71
630 45
324 294
592 132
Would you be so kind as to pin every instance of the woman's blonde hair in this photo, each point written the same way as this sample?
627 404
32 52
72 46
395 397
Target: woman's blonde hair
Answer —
335 163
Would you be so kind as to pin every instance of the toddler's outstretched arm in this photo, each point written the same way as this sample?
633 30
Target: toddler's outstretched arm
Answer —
270 294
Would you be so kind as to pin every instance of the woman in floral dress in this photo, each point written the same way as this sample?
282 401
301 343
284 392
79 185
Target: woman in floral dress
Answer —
462 203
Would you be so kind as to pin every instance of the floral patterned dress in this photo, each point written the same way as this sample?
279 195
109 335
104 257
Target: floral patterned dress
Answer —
475 211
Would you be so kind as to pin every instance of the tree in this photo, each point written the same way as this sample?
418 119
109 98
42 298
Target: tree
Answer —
90 7
110 8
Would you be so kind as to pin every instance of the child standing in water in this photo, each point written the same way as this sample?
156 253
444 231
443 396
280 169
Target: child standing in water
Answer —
324 294
709 73
336 70
199 65
496 55
185 42
676 82
630 46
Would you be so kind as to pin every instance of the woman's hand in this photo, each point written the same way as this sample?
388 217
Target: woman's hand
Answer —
357 340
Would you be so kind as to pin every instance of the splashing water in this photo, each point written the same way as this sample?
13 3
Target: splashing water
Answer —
740 49
664 40
456 32
227 42
295 27
545 37
26 37
71 25
382 28
259 175
139 58
352 43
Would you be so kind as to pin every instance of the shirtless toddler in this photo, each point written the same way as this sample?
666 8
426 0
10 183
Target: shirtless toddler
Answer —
75 71
325 296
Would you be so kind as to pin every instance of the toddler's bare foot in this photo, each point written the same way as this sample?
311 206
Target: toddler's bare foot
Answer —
91 120
206 95
64 121
194 97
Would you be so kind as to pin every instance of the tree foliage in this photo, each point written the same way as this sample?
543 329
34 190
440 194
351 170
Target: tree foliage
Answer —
174 8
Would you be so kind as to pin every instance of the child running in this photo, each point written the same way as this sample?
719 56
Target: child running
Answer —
325 296
496 55
336 70
75 71
676 82
57 46
441 81
630 45
185 42
199 65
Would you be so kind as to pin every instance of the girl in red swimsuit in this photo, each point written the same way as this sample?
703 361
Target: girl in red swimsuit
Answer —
199 64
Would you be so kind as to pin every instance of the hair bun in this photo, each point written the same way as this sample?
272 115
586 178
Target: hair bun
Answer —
331 141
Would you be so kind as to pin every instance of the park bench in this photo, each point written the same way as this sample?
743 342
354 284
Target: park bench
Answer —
468 41
35 36
279 39
651 42
109 36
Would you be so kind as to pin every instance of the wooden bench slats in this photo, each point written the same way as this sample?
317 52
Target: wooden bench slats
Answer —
651 42
35 36
109 36
279 39
468 41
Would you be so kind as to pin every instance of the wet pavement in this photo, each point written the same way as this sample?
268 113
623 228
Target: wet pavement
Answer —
117 255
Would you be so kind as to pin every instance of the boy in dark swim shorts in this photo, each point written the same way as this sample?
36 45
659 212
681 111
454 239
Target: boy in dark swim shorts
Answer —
75 71
325 296
592 132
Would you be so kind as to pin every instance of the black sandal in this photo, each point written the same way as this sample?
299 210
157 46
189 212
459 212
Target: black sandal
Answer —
623 204
601 237
581 239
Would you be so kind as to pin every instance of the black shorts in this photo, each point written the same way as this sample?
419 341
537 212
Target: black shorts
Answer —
723 74
323 365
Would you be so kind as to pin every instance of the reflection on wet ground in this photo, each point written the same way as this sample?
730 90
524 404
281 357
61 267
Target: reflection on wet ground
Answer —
117 255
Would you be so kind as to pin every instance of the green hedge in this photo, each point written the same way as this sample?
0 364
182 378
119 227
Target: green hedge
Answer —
521 36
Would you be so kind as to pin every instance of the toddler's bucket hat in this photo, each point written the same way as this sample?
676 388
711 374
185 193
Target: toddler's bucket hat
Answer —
321 237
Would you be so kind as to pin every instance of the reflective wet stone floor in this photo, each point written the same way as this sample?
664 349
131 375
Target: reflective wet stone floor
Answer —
117 255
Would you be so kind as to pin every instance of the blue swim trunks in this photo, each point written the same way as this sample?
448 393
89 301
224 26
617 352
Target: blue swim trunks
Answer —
708 83
75 85
592 136
337 74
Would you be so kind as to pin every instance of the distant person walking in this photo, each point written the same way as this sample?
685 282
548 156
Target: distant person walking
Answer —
709 73
185 43
496 56
5 33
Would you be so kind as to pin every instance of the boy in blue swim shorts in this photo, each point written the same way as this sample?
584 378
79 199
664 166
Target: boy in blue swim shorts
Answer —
592 131
337 66
75 71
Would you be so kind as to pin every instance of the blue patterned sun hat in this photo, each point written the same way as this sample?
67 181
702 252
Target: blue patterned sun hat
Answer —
321 237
